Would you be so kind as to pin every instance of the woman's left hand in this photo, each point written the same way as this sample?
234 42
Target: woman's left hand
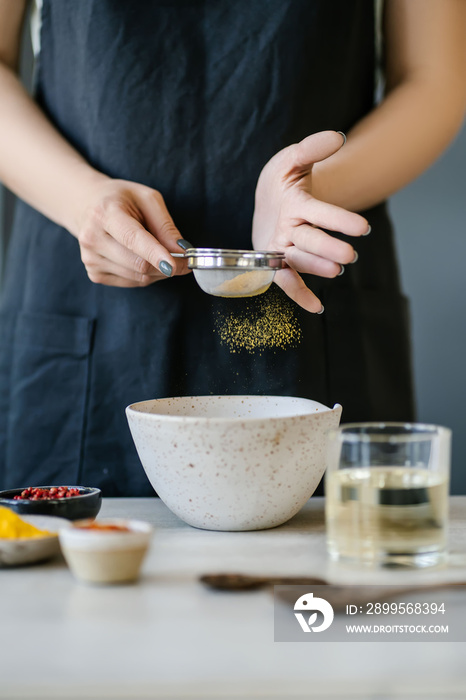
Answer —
287 218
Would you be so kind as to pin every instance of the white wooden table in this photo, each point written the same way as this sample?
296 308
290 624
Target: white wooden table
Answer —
169 637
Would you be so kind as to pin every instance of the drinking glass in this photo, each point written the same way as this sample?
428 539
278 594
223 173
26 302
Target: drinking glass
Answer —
386 490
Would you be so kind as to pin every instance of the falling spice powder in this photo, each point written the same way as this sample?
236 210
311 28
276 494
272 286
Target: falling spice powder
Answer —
267 322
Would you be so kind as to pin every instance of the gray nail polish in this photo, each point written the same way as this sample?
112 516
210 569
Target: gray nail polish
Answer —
184 244
321 311
341 271
368 231
165 268
356 257
344 136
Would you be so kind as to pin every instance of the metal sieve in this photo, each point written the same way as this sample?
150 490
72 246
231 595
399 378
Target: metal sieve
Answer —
233 273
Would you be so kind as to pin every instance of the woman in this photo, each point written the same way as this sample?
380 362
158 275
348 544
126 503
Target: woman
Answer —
171 121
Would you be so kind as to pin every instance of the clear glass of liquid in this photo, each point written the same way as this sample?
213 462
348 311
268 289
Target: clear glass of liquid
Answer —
386 489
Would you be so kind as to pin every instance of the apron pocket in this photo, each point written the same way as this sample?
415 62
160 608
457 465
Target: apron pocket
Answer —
48 393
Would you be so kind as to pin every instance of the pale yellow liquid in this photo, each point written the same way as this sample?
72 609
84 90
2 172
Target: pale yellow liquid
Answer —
376 513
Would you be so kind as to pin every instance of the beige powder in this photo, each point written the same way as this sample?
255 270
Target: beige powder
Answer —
246 284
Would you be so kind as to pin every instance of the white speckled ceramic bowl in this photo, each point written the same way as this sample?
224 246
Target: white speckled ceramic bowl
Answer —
232 462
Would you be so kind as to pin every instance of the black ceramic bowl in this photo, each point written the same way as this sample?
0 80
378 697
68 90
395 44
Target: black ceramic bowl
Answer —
86 505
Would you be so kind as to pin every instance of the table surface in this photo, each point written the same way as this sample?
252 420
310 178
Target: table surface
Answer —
169 637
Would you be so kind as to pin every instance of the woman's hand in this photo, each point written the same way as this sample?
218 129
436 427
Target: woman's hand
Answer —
287 218
126 234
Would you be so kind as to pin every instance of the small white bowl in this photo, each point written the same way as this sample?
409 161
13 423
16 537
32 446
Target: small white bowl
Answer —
233 462
106 556
27 550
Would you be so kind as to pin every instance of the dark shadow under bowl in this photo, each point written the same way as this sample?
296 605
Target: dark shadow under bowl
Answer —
86 505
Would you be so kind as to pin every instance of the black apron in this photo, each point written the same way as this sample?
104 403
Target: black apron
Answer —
190 98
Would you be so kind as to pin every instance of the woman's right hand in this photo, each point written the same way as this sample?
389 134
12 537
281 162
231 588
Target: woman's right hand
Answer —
126 235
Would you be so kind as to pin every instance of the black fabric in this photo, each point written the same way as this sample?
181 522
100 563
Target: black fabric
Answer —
191 98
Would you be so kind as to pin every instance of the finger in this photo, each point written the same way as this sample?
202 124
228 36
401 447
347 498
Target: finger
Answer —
110 250
331 217
132 235
159 221
294 287
312 264
103 266
312 240
119 279
136 272
317 147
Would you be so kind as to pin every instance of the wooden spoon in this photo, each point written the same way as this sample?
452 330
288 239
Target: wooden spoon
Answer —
337 595
243 582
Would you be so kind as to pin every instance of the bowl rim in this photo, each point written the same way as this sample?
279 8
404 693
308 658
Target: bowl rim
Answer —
321 408
90 491
140 531
134 525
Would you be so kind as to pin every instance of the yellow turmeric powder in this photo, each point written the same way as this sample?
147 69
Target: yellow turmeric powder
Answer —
13 527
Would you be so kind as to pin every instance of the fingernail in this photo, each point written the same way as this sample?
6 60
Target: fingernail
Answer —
321 311
341 271
356 257
344 136
184 244
368 231
165 268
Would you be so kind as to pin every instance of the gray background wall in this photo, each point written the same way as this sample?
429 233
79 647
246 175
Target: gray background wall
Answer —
429 218
430 221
